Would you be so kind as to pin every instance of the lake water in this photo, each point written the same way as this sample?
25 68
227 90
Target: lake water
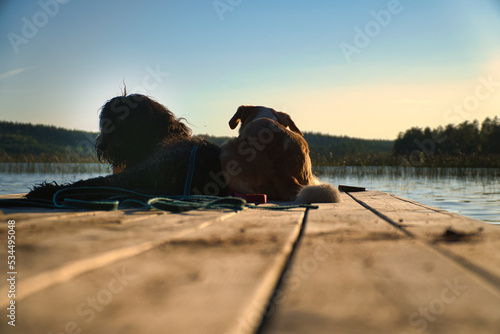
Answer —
470 192
18 178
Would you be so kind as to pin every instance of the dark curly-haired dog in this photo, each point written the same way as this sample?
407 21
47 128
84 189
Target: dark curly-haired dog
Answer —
133 127
150 151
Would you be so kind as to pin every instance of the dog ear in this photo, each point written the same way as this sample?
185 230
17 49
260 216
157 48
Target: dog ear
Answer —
286 120
241 115
233 122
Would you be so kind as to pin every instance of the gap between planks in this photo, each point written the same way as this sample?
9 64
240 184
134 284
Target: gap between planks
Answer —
271 282
251 306
482 275
372 277
253 313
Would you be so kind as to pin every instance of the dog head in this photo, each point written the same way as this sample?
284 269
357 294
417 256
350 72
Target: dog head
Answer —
132 127
247 114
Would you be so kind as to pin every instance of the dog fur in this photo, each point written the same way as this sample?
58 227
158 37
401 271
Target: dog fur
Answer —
132 129
149 149
152 147
271 156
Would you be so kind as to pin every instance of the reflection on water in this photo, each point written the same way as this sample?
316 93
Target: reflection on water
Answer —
20 177
472 192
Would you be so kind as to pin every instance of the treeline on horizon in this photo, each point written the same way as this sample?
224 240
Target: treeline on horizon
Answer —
25 142
469 144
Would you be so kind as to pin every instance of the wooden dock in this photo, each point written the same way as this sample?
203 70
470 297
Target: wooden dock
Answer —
375 263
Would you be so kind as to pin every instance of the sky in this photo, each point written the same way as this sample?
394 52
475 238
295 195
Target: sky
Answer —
359 68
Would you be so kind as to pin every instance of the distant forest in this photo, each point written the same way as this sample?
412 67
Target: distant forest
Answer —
469 144
21 142
326 150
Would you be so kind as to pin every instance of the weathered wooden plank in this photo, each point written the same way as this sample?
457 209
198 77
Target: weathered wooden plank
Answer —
471 243
45 217
48 255
355 273
212 280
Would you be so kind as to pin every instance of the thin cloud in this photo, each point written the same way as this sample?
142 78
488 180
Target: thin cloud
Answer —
13 72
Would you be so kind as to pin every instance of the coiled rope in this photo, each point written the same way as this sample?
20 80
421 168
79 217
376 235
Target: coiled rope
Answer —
112 198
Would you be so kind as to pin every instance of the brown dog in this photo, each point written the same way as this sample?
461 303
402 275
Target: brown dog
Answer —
268 158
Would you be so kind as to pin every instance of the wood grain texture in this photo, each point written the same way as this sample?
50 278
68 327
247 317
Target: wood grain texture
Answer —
210 276
355 273
374 263
470 243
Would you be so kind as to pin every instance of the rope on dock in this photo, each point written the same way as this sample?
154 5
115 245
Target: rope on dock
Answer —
111 198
